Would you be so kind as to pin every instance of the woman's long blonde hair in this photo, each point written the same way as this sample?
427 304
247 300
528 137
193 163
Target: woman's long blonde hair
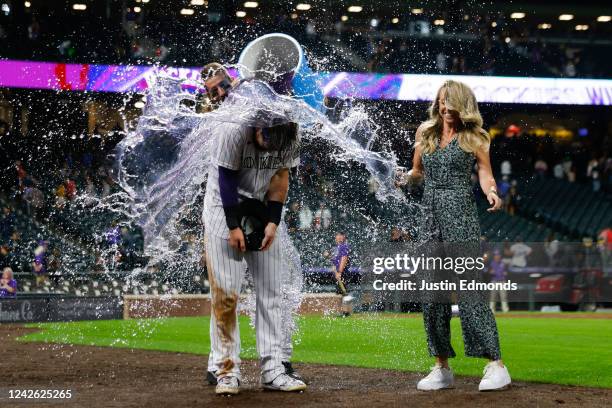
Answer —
470 134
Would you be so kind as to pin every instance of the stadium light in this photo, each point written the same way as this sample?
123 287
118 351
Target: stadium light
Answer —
494 24
79 6
240 14
303 7
187 12
27 4
566 17
197 2
251 4
517 15
604 19
582 27
374 22
417 11
344 18
395 20
544 26
145 1
439 22
137 9
355 9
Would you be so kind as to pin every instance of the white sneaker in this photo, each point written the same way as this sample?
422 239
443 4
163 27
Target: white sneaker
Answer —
439 378
286 383
227 386
494 378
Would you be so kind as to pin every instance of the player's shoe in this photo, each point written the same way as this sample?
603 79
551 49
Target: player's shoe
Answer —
438 379
227 386
211 378
285 382
290 371
494 377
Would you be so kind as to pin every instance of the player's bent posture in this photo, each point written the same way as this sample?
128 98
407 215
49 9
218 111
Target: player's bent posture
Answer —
219 85
246 189
447 146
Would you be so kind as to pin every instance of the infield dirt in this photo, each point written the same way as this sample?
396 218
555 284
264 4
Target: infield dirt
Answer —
112 377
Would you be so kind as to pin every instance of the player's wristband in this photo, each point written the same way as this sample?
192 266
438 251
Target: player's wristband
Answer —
275 211
232 215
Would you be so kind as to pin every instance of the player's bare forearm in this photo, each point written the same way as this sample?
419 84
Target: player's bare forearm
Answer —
277 195
279 186
269 235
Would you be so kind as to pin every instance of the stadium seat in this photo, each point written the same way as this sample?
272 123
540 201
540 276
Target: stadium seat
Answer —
570 209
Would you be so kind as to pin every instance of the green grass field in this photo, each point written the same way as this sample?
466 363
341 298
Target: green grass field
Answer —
549 350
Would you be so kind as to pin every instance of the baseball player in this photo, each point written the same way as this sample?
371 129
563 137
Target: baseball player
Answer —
246 189
341 263
219 84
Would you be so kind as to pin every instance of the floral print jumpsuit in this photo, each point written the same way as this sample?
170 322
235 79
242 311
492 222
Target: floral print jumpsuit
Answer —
453 218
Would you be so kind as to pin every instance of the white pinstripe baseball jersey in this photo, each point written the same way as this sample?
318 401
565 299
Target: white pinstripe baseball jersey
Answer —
235 149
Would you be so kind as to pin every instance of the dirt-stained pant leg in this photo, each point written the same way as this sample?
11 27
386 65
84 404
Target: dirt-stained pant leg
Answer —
225 273
267 269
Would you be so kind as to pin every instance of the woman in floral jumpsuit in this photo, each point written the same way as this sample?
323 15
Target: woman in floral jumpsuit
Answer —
447 146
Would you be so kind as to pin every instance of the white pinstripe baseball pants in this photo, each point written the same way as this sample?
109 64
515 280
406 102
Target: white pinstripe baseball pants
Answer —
226 274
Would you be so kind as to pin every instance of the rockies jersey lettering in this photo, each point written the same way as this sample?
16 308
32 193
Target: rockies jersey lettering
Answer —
269 162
